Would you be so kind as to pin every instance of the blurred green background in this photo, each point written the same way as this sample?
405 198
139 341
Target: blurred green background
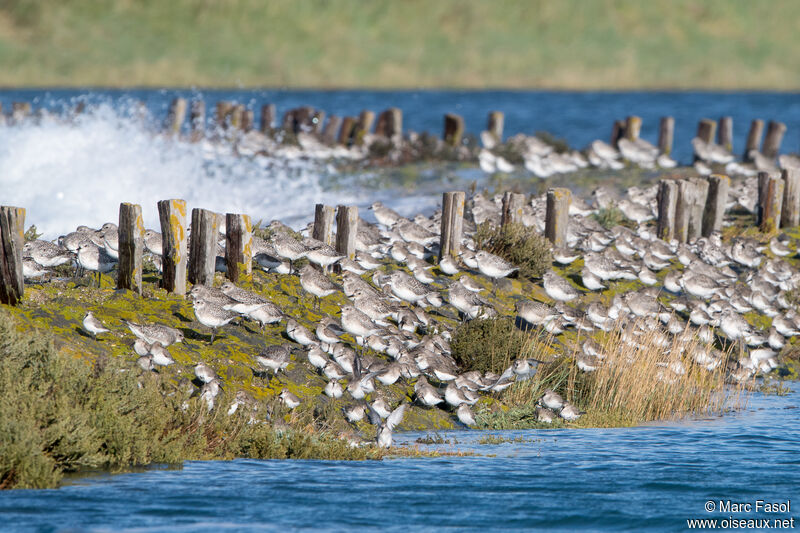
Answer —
581 44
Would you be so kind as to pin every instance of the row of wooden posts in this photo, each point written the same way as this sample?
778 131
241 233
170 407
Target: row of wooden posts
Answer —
707 129
193 257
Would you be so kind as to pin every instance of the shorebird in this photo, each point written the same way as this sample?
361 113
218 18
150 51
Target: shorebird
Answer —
570 413
274 358
316 283
289 248
204 373
45 253
212 316
333 389
493 266
95 259
552 400
464 415
357 323
385 427
426 394
354 413
152 333
145 362
160 355
407 288
385 215
558 288
92 325
289 399
448 265
545 415
153 241
299 333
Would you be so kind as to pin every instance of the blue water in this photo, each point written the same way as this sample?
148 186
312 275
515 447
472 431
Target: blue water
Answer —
650 478
578 117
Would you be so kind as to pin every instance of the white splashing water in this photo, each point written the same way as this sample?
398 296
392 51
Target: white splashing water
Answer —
78 172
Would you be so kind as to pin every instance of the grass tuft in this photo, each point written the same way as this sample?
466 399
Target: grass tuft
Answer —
519 244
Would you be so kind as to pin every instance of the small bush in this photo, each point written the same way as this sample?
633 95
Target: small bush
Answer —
519 244
610 217
487 344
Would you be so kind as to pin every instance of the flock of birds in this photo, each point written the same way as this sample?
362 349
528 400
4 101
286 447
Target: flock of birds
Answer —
395 312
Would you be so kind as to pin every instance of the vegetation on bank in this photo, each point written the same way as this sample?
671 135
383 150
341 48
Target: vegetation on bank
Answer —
449 43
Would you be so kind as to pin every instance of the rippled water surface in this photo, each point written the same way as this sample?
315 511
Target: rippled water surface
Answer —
646 478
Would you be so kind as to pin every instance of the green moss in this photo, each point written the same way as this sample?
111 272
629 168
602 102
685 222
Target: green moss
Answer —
521 245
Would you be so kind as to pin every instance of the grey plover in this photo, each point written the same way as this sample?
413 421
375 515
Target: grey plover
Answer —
570 413
316 283
493 266
160 355
289 248
545 415
323 256
354 413
558 288
95 259
274 358
385 215
153 241
426 394
552 400
289 399
152 333
92 325
212 316
464 414
385 427
299 333
407 288
145 362
204 373
46 253
448 265
357 323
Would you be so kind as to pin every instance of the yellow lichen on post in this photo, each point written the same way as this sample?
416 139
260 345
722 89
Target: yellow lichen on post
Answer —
172 214
557 216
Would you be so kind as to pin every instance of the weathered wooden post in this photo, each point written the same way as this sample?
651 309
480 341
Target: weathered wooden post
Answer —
770 202
557 216
238 246
223 110
175 116
666 131
452 224
20 111
453 129
667 205
172 215
323 223
725 133
717 200
317 120
247 120
689 209
363 126
131 247
346 230
772 142
12 239
790 211
617 132
512 208
346 133
267 118
495 124
390 124
197 118
706 129
203 247
331 130
236 116
633 126
753 139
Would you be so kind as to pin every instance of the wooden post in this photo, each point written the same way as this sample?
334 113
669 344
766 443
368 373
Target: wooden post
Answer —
346 230
717 200
557 215
331 130
197 118
267 118
495 125
390 124
12 239
633 126
790 211
346 133
238 246
453 129
666 131
203 247
131 247
223 110
512 208
323 223
236 116
172 215
20 111
667 205
706 129
753 139
725 133
452 223
317 120
363 126
175 117
617 132
697 206
247 120
772 142
770 202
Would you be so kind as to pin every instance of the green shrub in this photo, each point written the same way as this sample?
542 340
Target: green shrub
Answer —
612 216
487 344
519 244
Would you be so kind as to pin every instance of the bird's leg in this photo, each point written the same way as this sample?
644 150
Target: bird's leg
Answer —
213 333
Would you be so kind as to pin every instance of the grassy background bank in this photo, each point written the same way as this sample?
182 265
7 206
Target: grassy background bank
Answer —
448 43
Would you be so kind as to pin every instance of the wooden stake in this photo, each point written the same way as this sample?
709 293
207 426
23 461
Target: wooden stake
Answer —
131 247
633 126
223 111
390 124
512 208
363 126
12 239
495 125
172 215
452 223
557 216
453 129
706 129
753 139
666 130
772 142
770 202
790 211
667 205
197 118
725 133
203 247
175 117
716 202
346 133
697 206
617 132
346 230
331 130
238 246
267 118
323 223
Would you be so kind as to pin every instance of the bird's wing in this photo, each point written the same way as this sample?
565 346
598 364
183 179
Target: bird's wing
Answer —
396 416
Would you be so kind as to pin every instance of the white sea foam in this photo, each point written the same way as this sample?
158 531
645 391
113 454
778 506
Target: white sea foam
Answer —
67 173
